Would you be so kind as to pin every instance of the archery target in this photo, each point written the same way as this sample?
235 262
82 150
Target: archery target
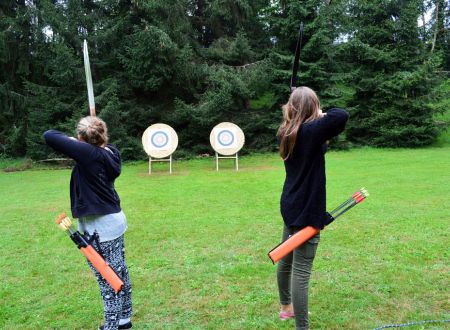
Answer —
227 138
159 140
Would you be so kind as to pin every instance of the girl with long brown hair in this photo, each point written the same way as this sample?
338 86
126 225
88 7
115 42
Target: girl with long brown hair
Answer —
302 136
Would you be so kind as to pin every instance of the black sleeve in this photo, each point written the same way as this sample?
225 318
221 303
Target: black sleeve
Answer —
79 151
330 125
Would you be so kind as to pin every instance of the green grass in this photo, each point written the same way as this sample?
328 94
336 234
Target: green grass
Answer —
197 245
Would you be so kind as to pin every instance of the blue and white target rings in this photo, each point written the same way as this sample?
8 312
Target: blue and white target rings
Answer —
227 138
159 140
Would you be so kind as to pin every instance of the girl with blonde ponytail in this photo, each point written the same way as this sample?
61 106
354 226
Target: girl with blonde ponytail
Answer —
93 130
302 136
96 204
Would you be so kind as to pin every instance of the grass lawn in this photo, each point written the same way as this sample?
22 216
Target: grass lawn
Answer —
197 245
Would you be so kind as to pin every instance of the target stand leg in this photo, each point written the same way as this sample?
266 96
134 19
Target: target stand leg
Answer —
150 161
235 157
217 161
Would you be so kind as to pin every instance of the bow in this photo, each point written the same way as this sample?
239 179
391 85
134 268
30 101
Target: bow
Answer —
90 87
295 66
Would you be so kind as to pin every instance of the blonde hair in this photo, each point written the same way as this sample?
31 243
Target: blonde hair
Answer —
303 106
93 130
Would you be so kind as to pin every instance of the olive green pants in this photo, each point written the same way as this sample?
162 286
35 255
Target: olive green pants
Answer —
293 275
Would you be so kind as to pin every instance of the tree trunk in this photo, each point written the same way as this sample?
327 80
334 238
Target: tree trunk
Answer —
436 29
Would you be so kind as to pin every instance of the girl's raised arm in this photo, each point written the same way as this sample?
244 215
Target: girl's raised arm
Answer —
330 125
77 150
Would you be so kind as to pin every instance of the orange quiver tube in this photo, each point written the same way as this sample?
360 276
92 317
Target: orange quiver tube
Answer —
84 244
286 247
283 249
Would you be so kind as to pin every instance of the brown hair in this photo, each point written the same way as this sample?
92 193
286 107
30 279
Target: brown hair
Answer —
303 106
93 130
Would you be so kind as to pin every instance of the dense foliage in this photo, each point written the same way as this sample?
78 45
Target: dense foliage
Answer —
192 64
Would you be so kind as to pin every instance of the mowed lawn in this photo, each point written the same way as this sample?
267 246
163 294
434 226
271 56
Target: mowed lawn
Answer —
197 245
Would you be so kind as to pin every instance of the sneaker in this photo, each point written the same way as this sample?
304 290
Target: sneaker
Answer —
286 315
128 325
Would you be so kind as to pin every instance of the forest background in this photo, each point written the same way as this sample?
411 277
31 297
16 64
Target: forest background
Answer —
193 64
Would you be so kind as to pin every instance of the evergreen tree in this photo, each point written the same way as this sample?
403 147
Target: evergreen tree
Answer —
194 63
317 69
15 66
57 90
394 76
440 30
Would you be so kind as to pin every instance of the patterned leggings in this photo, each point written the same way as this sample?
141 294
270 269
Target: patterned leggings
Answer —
116 306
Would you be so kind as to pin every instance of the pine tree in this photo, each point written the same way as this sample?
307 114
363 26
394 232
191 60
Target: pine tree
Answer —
15 66
193 63
56 91
393 76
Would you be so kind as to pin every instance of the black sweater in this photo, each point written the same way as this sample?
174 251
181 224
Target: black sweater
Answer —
92 189
303 199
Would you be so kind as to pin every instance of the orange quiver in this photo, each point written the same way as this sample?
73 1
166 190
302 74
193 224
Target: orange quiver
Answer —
84 244
286 247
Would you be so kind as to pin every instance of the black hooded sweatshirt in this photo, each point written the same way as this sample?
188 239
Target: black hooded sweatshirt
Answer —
303 200
92 189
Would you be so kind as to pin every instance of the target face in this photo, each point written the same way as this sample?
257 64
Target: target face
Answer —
225 138
159 139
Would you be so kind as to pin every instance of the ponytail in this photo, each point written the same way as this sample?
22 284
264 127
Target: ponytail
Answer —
93 130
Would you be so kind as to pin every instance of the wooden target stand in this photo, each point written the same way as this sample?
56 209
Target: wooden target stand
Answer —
159 141
227 139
